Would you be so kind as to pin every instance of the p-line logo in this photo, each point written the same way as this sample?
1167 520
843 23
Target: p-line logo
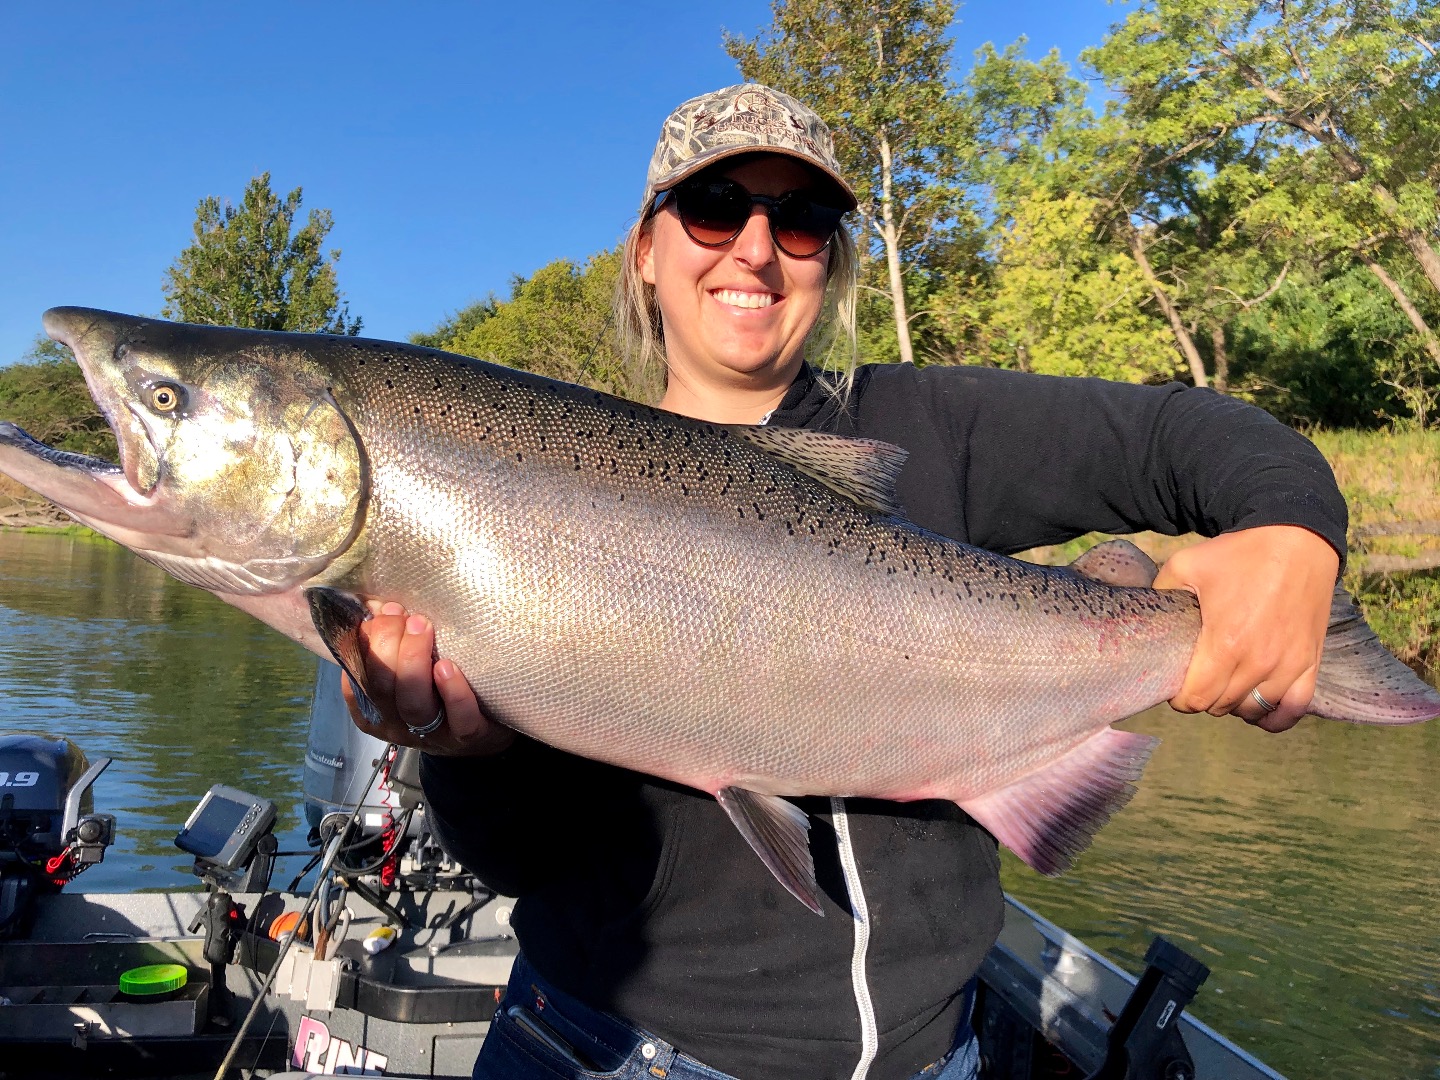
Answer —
317 1051
22 779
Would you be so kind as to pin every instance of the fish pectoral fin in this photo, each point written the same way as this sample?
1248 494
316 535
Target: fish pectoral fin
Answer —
1116 562
779 831
337 617
1050 816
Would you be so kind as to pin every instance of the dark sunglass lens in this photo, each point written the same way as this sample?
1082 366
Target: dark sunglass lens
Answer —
712 213
802 226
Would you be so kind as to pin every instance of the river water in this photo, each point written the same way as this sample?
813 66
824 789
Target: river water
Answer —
1304 868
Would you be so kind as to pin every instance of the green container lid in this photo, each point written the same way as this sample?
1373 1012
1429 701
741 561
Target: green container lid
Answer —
153 979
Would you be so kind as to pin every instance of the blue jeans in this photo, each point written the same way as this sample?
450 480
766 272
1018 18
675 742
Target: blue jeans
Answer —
540 1033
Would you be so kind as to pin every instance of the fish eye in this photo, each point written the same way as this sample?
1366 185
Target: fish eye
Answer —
166 397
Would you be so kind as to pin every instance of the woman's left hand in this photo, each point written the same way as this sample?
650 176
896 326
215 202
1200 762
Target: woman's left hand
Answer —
1264 606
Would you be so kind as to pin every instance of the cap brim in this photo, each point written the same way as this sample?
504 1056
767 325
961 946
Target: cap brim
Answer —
704 160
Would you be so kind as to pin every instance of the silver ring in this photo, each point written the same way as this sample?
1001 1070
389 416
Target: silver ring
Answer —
1260 700
421 732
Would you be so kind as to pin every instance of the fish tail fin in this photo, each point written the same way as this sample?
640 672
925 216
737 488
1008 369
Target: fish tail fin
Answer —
1050 816
1360 681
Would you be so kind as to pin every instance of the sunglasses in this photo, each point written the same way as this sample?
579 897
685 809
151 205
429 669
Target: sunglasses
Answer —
714 212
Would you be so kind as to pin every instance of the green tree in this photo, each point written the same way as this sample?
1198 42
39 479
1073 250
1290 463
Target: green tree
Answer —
557 323
45 394
248 266
1060 302
1357 81
877 71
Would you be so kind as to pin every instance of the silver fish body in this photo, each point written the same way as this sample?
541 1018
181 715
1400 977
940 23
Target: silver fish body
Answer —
738 609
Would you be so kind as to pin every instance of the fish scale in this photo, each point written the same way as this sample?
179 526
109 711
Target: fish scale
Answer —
744 610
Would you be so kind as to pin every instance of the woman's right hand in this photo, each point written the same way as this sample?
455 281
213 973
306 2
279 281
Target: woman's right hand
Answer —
408 685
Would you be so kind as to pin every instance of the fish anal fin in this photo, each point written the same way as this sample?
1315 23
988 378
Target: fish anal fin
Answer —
337 617
1116 562
1049 816
862 470
1360 681
779 832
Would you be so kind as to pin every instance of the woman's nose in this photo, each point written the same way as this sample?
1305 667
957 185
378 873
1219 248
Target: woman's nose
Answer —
755 246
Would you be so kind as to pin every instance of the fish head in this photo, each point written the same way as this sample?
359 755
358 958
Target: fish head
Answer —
238 471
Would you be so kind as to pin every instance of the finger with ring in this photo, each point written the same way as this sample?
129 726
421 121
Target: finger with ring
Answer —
421 732
1260 700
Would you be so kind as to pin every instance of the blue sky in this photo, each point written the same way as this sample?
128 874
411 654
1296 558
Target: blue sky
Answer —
455 144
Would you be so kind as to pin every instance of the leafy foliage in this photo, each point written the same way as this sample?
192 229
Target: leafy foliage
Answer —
45 394
557 323
1060 304
877 71
248 266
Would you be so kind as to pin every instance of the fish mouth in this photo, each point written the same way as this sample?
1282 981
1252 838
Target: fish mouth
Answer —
98 493
93 491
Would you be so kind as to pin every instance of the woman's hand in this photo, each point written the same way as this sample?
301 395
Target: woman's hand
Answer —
409 687
1264 605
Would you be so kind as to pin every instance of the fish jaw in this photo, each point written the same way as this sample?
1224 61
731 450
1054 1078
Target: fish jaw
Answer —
238 472
95 492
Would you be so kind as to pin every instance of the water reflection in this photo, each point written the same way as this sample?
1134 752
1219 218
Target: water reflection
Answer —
1303 868
180 689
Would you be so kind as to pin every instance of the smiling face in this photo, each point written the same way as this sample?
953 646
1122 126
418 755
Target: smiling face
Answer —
735 317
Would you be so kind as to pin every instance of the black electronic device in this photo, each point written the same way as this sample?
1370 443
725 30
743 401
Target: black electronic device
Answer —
223 831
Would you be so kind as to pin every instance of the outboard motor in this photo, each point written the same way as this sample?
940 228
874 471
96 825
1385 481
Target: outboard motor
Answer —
339 758
49 831
394 848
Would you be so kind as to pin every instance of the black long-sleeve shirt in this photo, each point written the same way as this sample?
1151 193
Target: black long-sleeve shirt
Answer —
638 895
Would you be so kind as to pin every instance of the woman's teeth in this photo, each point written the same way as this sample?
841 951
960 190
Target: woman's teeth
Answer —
736 298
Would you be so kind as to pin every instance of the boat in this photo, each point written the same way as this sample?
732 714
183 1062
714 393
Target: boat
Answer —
393 959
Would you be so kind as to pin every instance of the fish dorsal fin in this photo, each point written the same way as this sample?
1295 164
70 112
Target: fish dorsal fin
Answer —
862 470
1116 562
779 832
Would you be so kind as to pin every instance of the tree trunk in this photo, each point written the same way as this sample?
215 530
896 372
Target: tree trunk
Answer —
1432 344
1222 358
889 234
1424 253
1182 336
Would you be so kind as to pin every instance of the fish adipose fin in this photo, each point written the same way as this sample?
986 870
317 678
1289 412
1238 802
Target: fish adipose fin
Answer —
779 831
1116 562
862 470
1360 681
1050 816
337 617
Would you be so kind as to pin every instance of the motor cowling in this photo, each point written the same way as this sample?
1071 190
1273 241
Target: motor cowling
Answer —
49 831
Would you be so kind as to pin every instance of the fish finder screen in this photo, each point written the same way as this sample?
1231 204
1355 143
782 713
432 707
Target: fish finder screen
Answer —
210 830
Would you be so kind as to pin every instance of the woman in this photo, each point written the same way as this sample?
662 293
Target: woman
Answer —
654 943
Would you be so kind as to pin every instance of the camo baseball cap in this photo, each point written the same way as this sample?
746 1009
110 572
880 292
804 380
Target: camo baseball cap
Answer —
739 119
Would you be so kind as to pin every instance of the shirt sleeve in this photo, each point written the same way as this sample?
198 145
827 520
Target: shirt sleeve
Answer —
1046 459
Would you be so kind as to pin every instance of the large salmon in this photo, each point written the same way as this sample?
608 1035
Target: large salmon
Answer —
739 609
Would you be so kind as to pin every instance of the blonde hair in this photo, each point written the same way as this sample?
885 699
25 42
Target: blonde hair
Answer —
831 342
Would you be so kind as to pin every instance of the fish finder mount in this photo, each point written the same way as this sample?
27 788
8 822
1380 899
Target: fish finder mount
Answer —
1145 1041
231 834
